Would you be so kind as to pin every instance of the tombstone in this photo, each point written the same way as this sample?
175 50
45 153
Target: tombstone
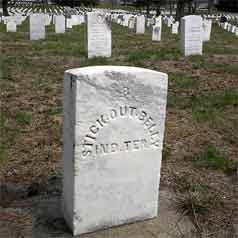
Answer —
175 27
11 26
37 26
47 19
119 21
158 21
75 20
156 33
229 26
98 35
59 24
140 24
207 27
169 21
114 121
69 23
236 32
225 25
126 20
191 35
131 23
233 29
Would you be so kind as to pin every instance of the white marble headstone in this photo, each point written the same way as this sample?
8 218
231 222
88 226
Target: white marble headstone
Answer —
207 27
69 23
175 27
11 26
191 35
156 33
98 35
37 26
59 24
131 23
140 24
114 121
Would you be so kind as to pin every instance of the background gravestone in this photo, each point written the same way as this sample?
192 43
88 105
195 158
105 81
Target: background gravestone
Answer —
114 119
207 28
98 38
11 26
59 24
156 33
140 24
37 27
191 35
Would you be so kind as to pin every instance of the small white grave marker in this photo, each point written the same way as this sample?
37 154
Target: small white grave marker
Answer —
37 27
11 26
140 24
114 121
191 35
59 24
98 35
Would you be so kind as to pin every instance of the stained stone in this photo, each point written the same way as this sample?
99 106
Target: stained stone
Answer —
131 23
113 131
156 33
98 35
191 35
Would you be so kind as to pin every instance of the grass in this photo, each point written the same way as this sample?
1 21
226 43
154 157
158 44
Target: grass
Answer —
209 106
9 136
202 96
211 158
24 118
183 81
195 197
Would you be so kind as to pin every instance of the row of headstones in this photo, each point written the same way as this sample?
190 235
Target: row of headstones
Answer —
30 9
98 34
192 31
229 27
156 23
39 21
229 17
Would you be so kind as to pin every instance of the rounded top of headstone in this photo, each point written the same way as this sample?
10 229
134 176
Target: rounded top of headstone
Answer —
192 17
91 70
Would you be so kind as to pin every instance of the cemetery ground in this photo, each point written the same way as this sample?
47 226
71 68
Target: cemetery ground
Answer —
199 168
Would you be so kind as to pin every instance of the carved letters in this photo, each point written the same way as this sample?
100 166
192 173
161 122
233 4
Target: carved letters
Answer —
91 146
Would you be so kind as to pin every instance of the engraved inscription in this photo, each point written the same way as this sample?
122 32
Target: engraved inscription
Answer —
90 145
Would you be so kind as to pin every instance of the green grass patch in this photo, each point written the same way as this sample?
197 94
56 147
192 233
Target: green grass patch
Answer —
206 106
24 118
183 80
222 68
211 158
8 136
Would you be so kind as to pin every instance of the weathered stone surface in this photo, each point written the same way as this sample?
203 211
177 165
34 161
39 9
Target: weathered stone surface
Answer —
98 35
140 24
59 24
207 28
175 27
11 26
191 35
156 33
113 135
157 29
37 27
